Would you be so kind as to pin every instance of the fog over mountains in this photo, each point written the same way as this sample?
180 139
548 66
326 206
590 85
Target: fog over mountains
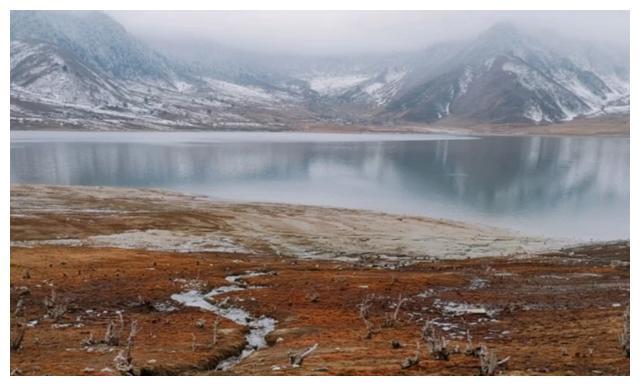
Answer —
84 70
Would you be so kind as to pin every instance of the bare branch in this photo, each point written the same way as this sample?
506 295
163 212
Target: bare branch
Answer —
296 359
124 361
55 308
437 344
112 336
412 361
17 336
19 311
364 309
489 362
216 323
399 304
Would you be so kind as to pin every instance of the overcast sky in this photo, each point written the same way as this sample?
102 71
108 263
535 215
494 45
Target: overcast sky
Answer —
339 32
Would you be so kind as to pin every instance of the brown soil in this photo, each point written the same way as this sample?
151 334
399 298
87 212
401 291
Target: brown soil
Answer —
551 313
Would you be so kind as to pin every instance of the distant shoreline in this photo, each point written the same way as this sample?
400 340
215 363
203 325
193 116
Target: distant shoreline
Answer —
611 125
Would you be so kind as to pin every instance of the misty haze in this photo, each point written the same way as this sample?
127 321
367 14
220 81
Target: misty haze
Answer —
320 192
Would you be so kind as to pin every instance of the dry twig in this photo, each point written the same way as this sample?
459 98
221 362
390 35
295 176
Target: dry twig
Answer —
296 359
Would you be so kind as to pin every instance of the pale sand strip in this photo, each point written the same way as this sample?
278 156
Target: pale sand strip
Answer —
288 230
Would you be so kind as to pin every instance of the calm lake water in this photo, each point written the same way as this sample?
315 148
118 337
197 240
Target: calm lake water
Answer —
574 187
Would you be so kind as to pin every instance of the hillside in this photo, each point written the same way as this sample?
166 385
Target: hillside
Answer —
83 70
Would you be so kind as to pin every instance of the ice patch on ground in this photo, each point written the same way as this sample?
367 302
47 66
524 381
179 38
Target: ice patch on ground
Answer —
163 240
477 283
259 327
458 309
151 240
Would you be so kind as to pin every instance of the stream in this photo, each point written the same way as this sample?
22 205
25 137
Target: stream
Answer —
259 327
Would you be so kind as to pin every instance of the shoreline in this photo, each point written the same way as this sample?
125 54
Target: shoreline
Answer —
219 288
178 197
304 231
613 125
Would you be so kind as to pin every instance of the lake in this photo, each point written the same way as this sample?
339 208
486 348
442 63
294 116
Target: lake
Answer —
576 187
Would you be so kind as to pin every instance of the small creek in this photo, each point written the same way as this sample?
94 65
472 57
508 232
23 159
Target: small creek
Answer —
259 327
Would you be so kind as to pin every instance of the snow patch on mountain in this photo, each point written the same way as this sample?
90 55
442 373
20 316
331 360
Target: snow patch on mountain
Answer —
84 70
384 88
335 84
237 93
534 113
40 71
465 80
547 90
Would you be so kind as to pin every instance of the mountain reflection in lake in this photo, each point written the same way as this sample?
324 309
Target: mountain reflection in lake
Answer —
555 186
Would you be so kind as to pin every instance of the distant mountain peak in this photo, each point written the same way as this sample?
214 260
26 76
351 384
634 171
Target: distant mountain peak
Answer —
501 28
85 68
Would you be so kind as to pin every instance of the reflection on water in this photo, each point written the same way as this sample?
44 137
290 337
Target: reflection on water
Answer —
555 186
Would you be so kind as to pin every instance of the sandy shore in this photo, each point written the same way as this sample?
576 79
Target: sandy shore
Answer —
161 220
278 279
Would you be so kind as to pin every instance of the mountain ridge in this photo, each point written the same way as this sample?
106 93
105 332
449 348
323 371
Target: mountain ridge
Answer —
84 70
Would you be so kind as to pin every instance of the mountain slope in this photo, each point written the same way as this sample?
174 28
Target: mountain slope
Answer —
84 70
52 74
505 77
94 38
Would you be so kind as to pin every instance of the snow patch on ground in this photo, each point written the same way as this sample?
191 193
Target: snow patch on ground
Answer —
457 309
152 240
259 328
163 240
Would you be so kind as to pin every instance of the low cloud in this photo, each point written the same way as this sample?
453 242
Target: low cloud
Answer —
356 32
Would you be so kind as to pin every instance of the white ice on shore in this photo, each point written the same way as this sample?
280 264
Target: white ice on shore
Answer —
164 240
457 309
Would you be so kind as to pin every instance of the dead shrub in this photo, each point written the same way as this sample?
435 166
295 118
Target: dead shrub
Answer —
296 359
55 307
17 336
123 362
216 324
412 361
364 310
437 344
489 362
114 331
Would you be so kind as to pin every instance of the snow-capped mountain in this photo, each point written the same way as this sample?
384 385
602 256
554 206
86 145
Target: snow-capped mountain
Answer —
93 38
84 70
506 77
